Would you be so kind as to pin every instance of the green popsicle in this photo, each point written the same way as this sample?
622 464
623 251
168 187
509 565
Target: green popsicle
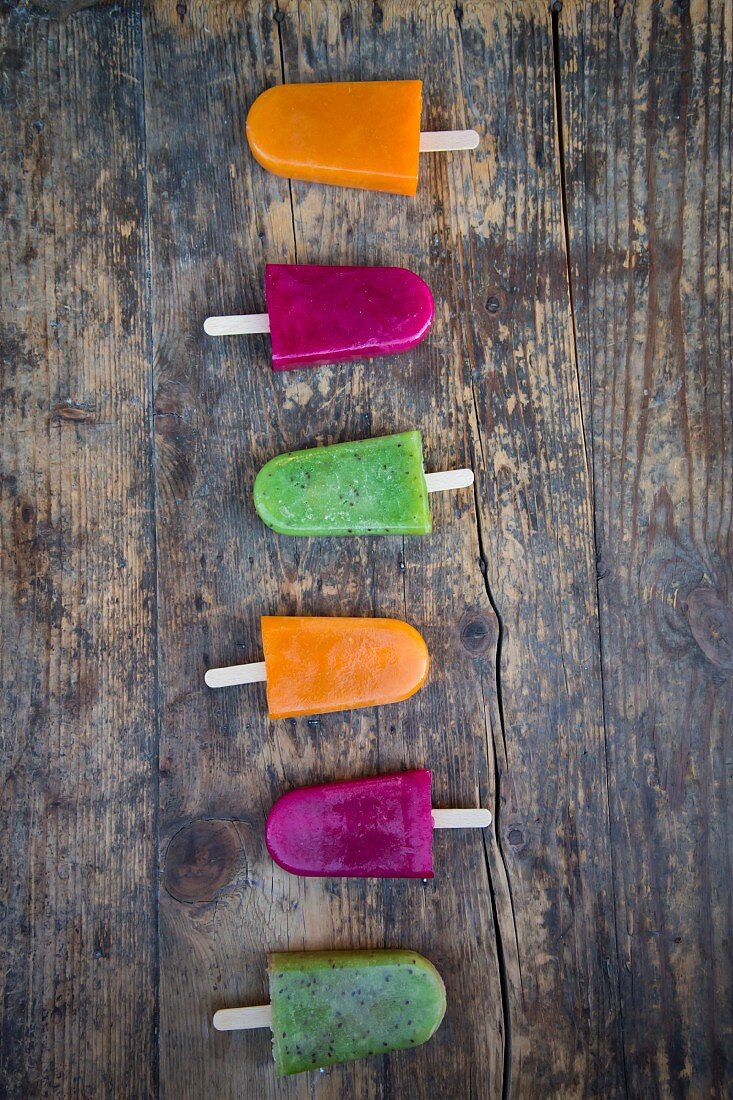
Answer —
335 1006
372 487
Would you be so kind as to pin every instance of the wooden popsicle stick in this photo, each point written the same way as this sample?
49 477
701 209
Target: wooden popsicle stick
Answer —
461 819
243 1019
254 673
442 141
449 479
237 325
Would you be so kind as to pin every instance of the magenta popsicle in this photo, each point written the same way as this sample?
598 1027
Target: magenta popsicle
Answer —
318 314
370 828
381 827
332 314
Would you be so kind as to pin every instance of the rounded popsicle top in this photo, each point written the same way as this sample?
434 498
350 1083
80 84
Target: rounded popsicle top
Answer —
356 134
316 665
332 314
335 1006
379 827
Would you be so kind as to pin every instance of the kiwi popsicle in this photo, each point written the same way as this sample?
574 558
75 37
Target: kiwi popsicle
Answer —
336 1006
372 487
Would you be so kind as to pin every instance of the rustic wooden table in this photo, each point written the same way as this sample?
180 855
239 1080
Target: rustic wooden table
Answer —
579 607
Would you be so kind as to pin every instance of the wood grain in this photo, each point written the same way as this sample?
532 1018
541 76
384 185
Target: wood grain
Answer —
578 604
78 709
648 96
537 535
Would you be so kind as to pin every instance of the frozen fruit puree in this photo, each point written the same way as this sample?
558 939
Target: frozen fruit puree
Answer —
330 1007
378 827
356 134
316 665
321 314
373 487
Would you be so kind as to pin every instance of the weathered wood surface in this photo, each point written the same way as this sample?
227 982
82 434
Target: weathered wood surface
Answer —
523 406
77 596
648 97
586 944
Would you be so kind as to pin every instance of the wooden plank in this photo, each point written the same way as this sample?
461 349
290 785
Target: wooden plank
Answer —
216 218
536 525
647 95
77 611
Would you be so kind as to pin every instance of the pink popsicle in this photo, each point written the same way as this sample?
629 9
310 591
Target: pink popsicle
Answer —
380 828
330 314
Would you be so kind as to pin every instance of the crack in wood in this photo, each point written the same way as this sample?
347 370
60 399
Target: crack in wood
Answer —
279 18
500 947
141 106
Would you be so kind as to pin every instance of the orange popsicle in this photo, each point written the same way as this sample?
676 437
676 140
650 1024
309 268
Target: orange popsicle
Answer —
356 134
318 665
315 665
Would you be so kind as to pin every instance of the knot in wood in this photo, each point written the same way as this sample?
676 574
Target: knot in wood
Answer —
493 303
25 514
76 414
479 633
202 859
711 623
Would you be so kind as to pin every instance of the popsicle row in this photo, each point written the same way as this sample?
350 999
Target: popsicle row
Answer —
330 1007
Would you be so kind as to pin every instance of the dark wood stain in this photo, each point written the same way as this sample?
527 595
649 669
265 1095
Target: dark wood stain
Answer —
649 112
78 712
711 623
578 605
